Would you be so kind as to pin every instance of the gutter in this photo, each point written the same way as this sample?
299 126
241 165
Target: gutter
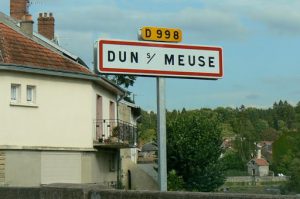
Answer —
76 75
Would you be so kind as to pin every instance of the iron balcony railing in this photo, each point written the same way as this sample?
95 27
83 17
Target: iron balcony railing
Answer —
113 131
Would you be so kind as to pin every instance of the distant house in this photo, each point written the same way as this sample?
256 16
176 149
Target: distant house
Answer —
147 155
258 166
57 117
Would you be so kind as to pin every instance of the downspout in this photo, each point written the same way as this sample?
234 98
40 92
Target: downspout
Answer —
119 162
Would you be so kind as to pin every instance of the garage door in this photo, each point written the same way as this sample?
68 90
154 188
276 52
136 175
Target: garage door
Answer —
59 167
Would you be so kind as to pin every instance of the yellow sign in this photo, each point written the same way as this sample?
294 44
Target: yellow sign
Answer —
161 34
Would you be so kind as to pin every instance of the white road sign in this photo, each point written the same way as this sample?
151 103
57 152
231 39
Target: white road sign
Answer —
159 59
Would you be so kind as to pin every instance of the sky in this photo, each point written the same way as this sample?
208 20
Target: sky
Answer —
260 41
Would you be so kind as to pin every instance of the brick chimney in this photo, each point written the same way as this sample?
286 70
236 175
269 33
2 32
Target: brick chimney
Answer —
46 25
26 24
18 8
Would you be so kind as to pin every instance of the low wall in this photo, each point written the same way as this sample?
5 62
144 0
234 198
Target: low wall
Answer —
257 179
70 192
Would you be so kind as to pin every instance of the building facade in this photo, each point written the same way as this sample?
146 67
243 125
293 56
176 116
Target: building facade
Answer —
55 114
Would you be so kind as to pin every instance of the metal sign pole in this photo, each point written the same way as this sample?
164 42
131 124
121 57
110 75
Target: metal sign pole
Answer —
161 130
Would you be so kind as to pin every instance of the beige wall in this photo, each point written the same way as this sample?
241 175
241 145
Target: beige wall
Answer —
96 167
107 97
140 180
23 168
63 116
124 112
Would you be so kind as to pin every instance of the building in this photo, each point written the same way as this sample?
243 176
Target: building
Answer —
258 166
59 120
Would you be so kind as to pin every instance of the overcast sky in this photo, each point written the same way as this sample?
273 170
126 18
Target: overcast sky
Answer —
260 40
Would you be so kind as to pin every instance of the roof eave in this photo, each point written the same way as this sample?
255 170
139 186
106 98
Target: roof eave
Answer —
42 71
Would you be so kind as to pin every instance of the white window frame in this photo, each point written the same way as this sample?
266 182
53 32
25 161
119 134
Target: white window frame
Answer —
15 93
31 94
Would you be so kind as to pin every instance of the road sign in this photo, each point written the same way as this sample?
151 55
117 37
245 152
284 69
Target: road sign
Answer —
159 59
161 34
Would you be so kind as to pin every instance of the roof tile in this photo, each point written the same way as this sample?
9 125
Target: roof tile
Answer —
19 49
261 162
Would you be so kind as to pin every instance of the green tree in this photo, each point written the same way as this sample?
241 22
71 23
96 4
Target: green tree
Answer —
294 183
232 161
147 127
175 182
122 80
286 158
194 147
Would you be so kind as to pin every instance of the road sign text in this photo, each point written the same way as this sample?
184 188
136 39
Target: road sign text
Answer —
158 59
161 34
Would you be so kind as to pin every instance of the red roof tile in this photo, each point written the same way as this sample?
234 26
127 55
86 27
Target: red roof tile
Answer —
21 50
261 162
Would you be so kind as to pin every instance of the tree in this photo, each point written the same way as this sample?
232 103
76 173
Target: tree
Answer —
122 80
232 161
194 147
286 158
175 182
294 183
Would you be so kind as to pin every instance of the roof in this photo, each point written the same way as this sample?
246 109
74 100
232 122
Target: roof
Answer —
260 162
16 48
149 147
36 54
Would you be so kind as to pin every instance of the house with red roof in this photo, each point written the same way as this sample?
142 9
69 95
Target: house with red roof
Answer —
258 166
57 116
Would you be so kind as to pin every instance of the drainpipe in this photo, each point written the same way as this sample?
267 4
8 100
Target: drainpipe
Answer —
119 162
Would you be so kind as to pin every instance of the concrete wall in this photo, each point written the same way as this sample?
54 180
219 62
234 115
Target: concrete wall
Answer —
263 170
62 115
23 168
125 112
140 180
93 193
241 179
97 167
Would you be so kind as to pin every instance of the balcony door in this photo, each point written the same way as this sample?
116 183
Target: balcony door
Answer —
112 117
99 117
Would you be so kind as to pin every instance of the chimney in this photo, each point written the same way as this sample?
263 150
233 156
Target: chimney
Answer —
27 24
18 8
259 152
46 25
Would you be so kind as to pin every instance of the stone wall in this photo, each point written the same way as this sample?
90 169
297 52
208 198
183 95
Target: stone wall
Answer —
241 179
88 192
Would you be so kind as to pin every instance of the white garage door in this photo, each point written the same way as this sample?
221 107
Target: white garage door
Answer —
59 167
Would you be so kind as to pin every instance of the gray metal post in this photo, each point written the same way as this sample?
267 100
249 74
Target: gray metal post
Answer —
161 130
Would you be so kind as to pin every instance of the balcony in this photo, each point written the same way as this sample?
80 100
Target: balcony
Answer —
116 134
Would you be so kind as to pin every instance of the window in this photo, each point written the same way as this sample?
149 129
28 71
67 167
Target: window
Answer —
15 92
30 94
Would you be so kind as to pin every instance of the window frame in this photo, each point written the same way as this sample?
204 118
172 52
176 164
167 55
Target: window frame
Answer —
31 94
15 92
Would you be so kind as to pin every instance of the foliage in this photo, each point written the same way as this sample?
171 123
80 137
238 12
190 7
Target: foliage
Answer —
147 127
175 182
286 159
122 80
232 161
194 147
188 130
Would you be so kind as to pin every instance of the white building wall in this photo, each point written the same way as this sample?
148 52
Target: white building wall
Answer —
263 170
62 116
